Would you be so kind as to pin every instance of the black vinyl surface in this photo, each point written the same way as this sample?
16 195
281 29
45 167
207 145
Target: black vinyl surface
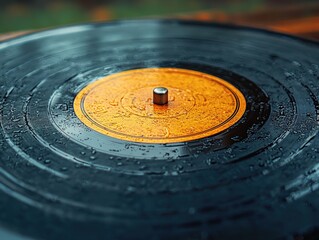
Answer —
61 180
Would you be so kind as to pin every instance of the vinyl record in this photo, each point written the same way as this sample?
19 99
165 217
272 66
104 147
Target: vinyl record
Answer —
87 153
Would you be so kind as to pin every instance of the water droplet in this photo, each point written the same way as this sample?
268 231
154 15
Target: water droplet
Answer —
235 138
265 172
127 146
297 64
143 167
289 74
47 161
210 161
64 169
63 107
179 167
174 173
130 189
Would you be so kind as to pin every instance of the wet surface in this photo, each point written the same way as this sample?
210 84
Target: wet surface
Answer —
75 182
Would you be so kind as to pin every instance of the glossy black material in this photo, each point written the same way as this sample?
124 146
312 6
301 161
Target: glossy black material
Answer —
61 180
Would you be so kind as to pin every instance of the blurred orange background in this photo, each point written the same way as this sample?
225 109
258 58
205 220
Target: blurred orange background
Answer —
289 16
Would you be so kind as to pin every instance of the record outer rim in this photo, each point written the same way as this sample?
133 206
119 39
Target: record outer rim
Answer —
51 31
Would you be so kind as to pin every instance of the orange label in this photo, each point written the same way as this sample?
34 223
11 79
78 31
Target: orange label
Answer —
121 105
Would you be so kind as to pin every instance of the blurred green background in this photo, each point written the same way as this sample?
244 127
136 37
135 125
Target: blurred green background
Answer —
38 14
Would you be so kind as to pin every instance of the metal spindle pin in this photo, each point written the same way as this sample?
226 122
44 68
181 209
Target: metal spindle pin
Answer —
160 95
